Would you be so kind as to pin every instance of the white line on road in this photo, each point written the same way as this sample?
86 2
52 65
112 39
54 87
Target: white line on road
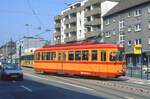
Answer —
128 98
14 81
28 89
77 86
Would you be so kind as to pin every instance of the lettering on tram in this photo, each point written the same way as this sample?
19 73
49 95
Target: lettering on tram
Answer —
89 59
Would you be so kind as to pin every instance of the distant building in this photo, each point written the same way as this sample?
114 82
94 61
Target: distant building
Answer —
128 23
28 45
7 50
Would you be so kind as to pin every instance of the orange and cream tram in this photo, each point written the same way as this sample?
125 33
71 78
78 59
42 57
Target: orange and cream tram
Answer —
88 58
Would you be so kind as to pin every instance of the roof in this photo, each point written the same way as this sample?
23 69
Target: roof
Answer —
79 46
124 5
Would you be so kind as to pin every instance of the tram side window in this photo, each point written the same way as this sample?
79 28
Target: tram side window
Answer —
71 55
48 56
44 55
30 57
59 56
85 55
94 55
53 55
113 56
77 55
64 56
38 56
103 56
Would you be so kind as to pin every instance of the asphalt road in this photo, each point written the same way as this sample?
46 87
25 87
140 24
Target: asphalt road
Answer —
49 86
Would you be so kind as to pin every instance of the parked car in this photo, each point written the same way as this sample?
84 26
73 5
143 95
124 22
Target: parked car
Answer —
10 72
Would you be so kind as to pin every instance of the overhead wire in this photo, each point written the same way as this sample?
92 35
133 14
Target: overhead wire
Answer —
34 13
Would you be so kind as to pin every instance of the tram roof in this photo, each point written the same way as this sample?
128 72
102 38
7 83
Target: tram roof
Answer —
83 45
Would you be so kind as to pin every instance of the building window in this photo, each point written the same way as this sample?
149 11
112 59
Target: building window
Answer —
121 38
121 25
107 21
114 20
129 43
129 29
148 9
114 32
137 27
138 41
149 25
137 13
129 14
107 34
149 40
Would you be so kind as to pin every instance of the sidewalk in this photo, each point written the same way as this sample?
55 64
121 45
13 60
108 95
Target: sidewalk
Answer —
134 79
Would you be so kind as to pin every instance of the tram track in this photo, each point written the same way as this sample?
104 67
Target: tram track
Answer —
100 85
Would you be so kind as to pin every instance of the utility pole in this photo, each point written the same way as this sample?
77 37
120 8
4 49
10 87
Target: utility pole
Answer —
20 55
11 50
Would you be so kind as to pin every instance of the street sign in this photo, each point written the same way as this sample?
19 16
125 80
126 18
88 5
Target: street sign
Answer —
138 49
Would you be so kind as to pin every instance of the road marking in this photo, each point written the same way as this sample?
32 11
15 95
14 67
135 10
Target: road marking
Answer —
138 82
74 85
128 98
14 81
28 89
148 83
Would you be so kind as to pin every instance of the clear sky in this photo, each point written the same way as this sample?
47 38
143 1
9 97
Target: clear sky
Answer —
14 14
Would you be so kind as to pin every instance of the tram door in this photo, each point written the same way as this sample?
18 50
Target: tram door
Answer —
61 58
104 66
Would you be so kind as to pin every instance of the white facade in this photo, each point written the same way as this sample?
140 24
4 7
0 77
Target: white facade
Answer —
81 20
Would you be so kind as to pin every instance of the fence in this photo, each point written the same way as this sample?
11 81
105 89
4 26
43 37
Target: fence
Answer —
142 71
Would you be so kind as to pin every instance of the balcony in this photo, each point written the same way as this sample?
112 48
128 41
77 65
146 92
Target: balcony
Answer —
93 12
58 41
70 39
93 22
57 34
67 21
91 2
74 10
58 17
91 34
57 25
72 29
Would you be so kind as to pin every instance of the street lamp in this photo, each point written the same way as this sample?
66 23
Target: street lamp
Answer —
20 51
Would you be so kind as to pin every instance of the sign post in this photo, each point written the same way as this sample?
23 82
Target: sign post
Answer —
138 51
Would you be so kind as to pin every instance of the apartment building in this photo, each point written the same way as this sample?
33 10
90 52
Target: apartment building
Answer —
128 23
72 23
57 33
82 21
7 50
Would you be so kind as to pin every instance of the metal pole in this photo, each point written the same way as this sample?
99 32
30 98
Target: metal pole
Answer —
131 72
11 51
147 68
20 55
141 66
